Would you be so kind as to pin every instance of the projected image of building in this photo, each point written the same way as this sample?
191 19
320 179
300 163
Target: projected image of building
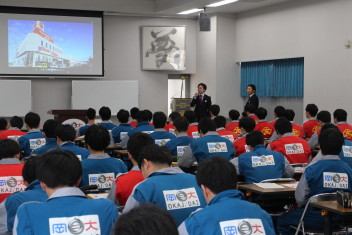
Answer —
39 50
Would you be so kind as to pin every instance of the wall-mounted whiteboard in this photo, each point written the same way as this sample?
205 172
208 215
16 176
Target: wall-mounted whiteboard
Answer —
15 97
95 94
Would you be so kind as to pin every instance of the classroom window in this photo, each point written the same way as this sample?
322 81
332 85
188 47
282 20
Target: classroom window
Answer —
274 78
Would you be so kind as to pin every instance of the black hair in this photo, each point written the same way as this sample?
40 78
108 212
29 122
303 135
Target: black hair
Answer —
234 114
149 114
174 115
283 126
29 171
247 123
261 113
250 108
220 121
181 124
137 142
217 174
279 111
142 116
97 137
190 116
16 121
147 219
254 138
32 120
203 85
59 168
312 109
49 128
289 114
215 109
340 115
105 113
91 113
3 124
159 120
134 112
330 140
205 125
324 116
65 132
252 86
9 148
123 116
159 155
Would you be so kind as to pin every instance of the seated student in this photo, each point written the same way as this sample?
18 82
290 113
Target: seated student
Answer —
149 116
99 168
325 176
3 125
263 125
124 183
119 132
168 187
323 117
34 137
14 132
66 136
90 114
33 193
49 129
246 126
133 112
214 111
210 144
278 112
145 219
10 168
340 118
177 146
250 109
193 124
261 164
297 129
311 125
170 126
67 208
227 212
105 115
220 122
295 149
233 125
160 135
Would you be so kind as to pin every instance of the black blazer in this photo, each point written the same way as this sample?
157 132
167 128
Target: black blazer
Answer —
202 109
253 100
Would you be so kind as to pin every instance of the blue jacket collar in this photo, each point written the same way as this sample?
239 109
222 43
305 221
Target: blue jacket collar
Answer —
231 193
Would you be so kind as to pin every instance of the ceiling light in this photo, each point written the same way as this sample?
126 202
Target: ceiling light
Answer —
217 4
190 11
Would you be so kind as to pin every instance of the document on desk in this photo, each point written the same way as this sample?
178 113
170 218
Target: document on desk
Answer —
293 185
269 185
97 195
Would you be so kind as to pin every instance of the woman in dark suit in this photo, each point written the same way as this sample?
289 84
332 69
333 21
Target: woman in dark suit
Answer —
202 102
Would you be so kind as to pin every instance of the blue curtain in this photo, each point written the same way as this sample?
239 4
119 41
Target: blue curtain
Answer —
274 78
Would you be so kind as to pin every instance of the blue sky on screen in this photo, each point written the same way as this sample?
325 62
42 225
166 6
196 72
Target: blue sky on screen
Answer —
76 39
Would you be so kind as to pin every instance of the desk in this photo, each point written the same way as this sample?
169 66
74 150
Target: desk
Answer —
287 191
331 207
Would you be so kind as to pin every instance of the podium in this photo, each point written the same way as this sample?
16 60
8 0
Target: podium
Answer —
181 105
64 114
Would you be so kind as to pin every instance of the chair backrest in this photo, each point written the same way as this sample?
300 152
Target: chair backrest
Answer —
278 180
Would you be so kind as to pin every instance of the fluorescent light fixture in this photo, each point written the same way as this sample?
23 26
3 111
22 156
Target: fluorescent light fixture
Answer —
217 4
190 11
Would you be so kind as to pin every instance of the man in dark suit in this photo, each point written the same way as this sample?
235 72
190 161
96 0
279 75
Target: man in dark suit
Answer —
202 102
253 98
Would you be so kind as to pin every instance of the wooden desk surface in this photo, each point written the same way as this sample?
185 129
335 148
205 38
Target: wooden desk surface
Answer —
267 191
332 206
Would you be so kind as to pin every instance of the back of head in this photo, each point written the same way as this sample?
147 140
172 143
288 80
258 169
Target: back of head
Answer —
97 137
91 113
217 174
159 119
190 116
249 108
247 123
123 116
215 109
312 109
29 171
330 140
174 115
49 128
149 114
3 124
147 219
9 148
220 121
181 124
65 133
289 114
255 138
283 126
142 116
234 114
261 113
137 142
205 125
324 116
134 112
340 115
279 111
158 155
105 113
59 168
32 120
17 122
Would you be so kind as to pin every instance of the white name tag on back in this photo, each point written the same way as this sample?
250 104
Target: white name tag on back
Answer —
104 180
263 161
11 184
229 137
347 151
217 147
36 143
195 135
180 150
123 135
335 180
294 148
242 226
181 199
83 225
161 142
